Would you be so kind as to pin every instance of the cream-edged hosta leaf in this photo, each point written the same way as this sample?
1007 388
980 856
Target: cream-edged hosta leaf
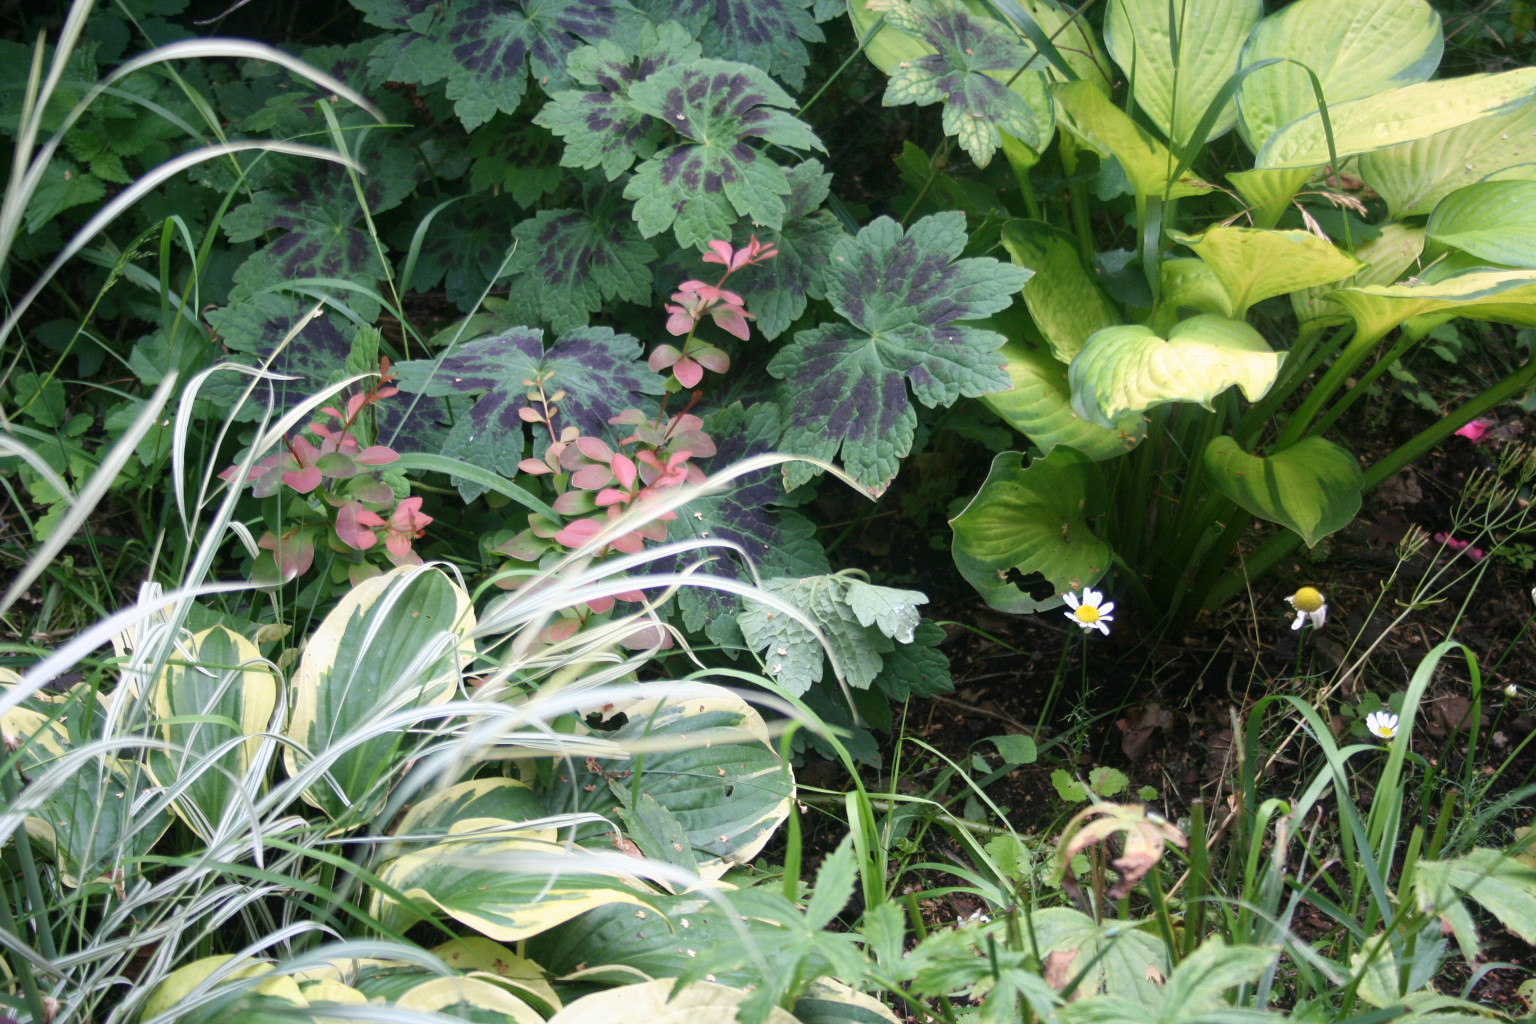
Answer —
471 954
217 690
1176 70
1188 283
654 1002
1131 369
394 642
1386 258
1398 116
1503 296
1064 302
1415 176
829 1001
468 999
496 797
1040 408
1254 264
1033 519
181 983
1492 220
1356 47
505 889
1312 488
707 759
1148 164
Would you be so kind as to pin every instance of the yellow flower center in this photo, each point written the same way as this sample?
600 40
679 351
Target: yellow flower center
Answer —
1307 599
1086 613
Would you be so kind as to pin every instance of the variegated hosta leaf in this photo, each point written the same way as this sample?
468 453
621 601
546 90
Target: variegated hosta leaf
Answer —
904 294
1492 220
707 759
223 690
495 797
1392 118
700 1003
1255 264
1176 71
505 889
1033 519
1312 488
1386 258
397 641
1103 127
970 72
1064 302
183 981
1040 408
476 953
1415 176
1131 369
1357 48
468 999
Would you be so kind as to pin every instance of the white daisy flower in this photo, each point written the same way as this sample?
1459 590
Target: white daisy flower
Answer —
1092 612
1382 724
1309 604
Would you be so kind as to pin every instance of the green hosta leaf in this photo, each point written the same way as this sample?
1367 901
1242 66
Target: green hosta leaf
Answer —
1492 220
902 293
505 889
571 263
486 50
396 641
860 621
1401 115
1033 519
716 773
600 125
1502 885
1040 408
1148 164
1063 300
969 73
1386 257
1131 369
699 1003
218 690
776 292
1312 488
700 187
1415 176
769 34
1357 48
1253 264
1175 77
598 370
1503 296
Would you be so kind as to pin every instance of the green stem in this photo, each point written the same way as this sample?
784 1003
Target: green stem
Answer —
1304 358
1357 349
1395 353
1077 192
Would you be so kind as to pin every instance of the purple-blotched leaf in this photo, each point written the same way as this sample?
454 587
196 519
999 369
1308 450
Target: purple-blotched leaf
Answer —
776 291
322 230
600 372
845 385
251 329
770 34
700 187
463 248
569 263
599 124
977 106
515 157
486 49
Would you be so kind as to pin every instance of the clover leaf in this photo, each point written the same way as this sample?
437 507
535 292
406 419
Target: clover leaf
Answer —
702 185
902 293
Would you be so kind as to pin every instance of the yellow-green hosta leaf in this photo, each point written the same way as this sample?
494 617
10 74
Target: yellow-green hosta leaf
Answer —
1397 116
1503 296
1188 283
1148 164
219 690
471 954
328 990
397 641
654 1003
1415 176
1268 192
1175 92
1356 47
1312 488
505 889
1033 519
1386 257
1040 408
1253 264
1492 220
183 981
468 999
1062 299
1130 369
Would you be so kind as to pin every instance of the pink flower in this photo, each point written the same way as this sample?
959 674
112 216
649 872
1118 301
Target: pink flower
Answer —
734 259
1476 554
406 523
1475 430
